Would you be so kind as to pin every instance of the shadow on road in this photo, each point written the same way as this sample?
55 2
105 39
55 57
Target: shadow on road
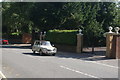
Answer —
82 56
88 56
98 55
35 54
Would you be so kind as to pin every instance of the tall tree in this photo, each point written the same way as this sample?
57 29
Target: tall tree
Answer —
15 17
117 17
106 14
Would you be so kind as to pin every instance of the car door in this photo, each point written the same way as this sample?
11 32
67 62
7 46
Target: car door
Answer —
35 46
38 46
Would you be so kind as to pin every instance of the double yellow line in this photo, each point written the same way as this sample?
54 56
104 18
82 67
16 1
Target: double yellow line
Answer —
2 75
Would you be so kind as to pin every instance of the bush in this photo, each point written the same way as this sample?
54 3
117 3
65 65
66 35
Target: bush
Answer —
67 37
16 33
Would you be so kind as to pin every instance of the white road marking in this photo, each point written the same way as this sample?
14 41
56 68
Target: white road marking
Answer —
80 72
102 64
3 76
95 62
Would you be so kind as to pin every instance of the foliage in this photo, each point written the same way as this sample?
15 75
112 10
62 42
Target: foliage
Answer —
67 37
16 33
93 34
93 18
117 17
106 14
15 17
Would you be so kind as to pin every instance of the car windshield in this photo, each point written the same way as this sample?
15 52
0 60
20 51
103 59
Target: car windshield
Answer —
46 43
37 43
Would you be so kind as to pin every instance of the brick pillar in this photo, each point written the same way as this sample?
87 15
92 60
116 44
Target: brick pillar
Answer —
109 39
79 43
116 46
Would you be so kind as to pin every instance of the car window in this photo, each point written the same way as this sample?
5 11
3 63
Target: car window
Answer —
37 43
46 43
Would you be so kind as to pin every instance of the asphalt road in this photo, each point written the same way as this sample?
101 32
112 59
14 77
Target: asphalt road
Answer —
22 63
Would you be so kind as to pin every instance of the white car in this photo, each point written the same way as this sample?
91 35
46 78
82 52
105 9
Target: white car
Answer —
44 47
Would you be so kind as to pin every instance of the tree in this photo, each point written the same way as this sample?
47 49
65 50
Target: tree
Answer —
92 17
116 21
15 17
46 17
106 14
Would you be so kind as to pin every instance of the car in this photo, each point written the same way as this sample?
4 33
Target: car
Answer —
44 47
4 41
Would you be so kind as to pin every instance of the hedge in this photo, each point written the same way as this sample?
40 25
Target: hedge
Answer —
67 37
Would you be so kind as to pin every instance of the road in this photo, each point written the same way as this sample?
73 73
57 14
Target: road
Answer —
20 62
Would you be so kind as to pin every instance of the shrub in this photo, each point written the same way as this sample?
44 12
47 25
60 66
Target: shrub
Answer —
67 37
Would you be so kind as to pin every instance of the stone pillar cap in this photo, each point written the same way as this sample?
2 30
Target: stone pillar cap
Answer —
79 34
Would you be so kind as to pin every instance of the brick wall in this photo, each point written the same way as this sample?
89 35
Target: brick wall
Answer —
26 38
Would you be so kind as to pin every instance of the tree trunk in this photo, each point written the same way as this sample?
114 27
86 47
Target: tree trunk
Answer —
93 49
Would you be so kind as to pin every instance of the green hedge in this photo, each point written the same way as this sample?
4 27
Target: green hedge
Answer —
67 37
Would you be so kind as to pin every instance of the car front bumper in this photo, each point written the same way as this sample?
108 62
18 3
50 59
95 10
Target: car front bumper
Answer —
49 52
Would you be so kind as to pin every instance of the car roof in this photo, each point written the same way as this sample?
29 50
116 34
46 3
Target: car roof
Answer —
41 41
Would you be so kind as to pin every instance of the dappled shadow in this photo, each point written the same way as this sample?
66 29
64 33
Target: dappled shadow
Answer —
83 56
88 56
95 58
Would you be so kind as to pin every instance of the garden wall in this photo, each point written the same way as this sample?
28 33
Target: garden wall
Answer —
66 48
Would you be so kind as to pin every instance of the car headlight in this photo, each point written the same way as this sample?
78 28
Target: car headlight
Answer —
55 49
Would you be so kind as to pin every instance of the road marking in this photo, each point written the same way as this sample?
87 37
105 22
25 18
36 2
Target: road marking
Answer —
80 72
95 62
102 64
3 76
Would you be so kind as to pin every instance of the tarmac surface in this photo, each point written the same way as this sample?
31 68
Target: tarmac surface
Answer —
63 65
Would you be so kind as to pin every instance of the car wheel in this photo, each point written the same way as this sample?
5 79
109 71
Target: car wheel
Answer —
33 52
40 52
53 54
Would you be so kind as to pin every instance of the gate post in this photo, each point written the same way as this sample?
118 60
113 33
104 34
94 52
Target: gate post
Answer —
79 42
116 46
109 39
116 43
112 44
